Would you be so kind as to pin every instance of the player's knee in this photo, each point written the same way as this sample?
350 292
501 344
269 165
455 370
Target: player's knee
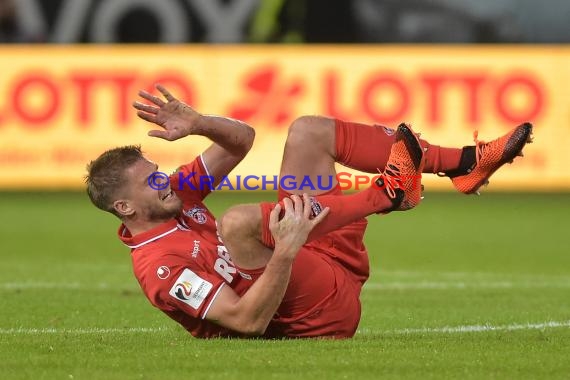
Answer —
230 223
236 222
307 130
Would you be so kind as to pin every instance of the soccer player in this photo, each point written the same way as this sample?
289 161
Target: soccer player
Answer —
288 269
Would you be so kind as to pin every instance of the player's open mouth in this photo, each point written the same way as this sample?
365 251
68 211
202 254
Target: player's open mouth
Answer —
167 195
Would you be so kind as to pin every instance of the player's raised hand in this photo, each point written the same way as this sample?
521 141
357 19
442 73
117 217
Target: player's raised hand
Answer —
291 232
176 119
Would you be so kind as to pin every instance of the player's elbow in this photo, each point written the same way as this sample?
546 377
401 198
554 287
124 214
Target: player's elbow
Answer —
243 142
241 318
254 328
250 138
250 325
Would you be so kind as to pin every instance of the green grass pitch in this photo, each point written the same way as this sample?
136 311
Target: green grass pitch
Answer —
461 287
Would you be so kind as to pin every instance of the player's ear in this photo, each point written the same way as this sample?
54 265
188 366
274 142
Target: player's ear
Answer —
123 208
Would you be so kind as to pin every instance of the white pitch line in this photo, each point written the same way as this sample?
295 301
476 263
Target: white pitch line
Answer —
63 286
478 328
80 331
407 331
470 275
444 285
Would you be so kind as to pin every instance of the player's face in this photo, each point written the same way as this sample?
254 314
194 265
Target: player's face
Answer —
149 203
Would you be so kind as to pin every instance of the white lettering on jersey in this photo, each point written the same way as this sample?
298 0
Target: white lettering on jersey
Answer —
224 254
224 269
196 248
224 264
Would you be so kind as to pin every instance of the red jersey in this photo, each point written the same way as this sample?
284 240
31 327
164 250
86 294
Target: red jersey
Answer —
182 265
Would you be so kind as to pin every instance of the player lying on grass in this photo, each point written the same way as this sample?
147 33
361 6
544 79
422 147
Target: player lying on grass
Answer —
288 269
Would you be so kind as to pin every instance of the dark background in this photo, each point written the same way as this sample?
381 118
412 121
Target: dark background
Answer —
282 21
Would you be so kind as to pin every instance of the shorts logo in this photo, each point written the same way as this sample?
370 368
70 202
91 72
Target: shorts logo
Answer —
389 131
190 289
163 272
197 214
245 275
316 207
183 290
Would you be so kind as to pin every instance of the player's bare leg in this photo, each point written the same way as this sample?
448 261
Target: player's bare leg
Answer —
310 151
240 230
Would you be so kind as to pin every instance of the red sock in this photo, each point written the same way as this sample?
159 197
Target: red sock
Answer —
344 209
367 147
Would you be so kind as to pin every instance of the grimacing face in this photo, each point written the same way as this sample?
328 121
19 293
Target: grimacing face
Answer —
146 203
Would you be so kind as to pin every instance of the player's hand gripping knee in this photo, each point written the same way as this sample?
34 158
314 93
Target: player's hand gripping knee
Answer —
176 118
291 232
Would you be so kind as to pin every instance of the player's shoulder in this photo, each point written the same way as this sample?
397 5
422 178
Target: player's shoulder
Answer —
174 283
158 277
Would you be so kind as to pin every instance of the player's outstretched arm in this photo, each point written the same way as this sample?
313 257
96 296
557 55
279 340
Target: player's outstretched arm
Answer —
252 313
232 139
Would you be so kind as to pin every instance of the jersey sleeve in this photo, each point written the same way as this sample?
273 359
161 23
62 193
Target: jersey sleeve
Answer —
192 292
192 182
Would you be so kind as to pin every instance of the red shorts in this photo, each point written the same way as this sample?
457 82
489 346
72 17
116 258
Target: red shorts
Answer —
323 296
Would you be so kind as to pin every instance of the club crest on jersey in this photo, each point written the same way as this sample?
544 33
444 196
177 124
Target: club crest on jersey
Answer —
197 214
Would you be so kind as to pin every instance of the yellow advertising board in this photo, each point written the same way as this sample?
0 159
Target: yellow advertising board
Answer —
60 107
